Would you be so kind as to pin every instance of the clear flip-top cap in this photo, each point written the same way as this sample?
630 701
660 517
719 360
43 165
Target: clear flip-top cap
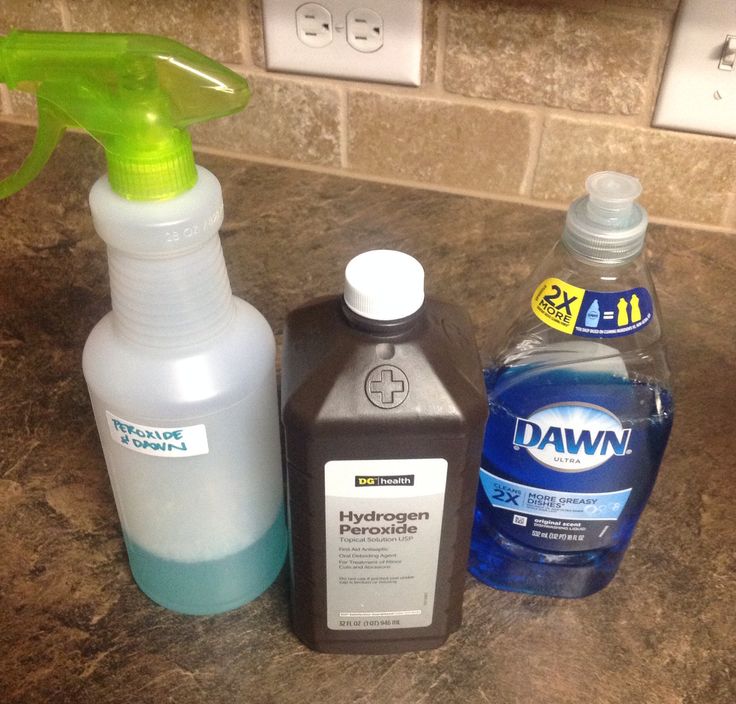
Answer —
611 192
607 224
384 284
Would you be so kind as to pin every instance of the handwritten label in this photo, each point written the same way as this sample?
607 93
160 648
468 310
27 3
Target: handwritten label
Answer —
181 441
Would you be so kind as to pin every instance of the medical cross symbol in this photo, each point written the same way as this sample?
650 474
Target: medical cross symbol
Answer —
387 386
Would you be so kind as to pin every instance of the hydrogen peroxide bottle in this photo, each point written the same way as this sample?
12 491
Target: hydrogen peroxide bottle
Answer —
580 407
383 412
181 374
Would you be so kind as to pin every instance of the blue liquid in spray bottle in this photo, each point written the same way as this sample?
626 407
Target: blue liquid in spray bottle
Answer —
580 408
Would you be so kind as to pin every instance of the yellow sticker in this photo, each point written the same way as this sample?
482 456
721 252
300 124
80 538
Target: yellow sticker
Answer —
558 303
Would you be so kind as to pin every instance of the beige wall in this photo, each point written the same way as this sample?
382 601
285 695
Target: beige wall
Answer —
520 100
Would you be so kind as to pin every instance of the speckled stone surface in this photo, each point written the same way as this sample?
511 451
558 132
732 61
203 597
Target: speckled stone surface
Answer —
35 14
547 54
210 26
685 176
73 626
285 119
433 141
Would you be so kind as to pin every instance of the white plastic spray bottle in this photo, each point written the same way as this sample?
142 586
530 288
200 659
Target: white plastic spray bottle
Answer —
181 373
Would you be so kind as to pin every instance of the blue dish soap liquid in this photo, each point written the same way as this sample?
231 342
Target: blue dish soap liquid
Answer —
580 408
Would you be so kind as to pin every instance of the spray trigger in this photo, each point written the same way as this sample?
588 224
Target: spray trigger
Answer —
51 128
135 94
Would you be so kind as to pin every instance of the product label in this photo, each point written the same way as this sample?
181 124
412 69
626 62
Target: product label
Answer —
569 456
571 437
567 505
554 520
177 441
600 314
383 529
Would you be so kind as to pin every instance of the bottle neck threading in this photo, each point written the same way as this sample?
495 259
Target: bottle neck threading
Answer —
382 328
173 301
598 259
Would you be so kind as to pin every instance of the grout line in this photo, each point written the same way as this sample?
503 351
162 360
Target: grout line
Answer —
344 123
244 35
656 68
336 171
435 92
19 120
611 8
538 124
439 59
66 15
330 82
483 195
729 214
6 107
729 226
407 92
598 119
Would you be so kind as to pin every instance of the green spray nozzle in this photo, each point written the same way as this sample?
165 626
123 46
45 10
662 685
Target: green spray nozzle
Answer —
134 93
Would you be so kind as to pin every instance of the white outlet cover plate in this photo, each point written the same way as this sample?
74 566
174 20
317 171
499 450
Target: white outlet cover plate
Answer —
399 59
695 95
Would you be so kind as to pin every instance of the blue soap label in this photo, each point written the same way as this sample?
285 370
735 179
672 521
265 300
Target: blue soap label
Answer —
599 314
568 505
569 456
605 314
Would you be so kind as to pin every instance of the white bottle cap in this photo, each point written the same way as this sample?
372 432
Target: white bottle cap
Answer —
384 285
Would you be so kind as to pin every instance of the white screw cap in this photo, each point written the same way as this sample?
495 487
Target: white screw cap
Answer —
384 284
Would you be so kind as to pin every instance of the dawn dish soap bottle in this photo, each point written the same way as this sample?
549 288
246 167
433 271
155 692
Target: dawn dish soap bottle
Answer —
181 374
580 407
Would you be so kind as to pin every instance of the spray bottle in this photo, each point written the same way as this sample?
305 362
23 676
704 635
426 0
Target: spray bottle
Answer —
181 374
580 406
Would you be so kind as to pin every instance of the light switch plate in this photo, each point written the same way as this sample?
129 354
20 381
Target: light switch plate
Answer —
696 95
296 37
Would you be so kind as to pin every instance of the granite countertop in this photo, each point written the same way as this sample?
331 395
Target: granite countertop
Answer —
75 628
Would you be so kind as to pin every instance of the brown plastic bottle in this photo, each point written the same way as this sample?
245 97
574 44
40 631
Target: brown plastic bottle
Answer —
383 412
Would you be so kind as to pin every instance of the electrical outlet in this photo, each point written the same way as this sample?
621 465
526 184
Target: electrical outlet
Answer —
314 25
364 30
364 40
698 90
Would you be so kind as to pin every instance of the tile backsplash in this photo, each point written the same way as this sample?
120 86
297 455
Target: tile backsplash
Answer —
520 100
